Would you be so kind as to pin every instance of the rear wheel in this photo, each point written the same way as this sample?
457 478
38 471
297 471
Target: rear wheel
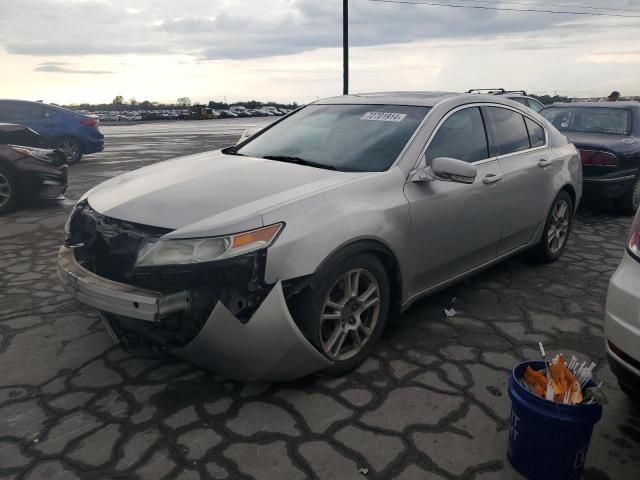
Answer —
629 203
8 191
72 149
344 314
556 230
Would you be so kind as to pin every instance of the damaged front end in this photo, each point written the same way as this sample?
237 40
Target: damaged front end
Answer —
220 315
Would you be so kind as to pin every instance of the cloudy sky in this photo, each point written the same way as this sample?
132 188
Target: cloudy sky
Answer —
72 51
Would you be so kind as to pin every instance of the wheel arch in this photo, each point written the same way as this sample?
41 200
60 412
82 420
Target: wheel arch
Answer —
383 252
572 193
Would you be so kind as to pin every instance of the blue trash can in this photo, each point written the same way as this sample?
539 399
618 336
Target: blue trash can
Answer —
547 440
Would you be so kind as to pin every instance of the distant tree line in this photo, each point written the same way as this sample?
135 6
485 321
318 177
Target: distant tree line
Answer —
548 100
119 104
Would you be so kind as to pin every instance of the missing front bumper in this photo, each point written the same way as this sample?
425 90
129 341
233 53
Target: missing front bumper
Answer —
269 347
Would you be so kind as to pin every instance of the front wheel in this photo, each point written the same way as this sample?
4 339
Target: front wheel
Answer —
72 149
556 229
346 310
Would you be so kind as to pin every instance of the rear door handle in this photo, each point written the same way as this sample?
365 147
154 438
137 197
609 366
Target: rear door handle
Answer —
492 178
544 163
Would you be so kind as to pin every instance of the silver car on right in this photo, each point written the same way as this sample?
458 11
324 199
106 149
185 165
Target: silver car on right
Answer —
622 317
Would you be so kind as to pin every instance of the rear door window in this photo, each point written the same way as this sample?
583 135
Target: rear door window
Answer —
511 131
19 110
536 133
462 136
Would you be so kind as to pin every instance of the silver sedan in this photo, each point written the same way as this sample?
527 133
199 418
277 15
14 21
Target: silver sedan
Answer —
287 253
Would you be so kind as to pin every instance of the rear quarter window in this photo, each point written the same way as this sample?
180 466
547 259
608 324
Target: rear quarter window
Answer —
536 133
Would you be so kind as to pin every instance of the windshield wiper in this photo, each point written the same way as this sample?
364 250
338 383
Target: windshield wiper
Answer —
299 161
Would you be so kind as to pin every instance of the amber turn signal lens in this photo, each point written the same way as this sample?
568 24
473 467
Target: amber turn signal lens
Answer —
262 235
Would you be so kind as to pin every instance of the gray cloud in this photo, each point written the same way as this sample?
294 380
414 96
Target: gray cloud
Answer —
243 29
59 67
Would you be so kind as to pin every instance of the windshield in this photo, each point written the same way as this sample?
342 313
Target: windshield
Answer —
355 138
589 119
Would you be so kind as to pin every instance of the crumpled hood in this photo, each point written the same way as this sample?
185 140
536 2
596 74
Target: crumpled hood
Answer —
207 190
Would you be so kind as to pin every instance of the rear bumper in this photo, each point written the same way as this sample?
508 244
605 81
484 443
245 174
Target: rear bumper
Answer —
609 186
269 347
93 146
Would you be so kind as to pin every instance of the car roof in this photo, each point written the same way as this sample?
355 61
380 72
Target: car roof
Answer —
597 104
48 105
418 99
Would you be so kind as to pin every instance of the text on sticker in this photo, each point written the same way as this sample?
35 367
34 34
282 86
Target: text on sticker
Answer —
384 116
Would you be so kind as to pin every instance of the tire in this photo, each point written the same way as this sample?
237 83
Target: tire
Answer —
72 149
629 203
558 225
8 191
334 331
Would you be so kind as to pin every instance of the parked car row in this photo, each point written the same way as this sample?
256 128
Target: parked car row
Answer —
197 112
141 115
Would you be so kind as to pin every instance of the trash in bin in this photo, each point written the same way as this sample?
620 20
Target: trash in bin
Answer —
553 411
561 382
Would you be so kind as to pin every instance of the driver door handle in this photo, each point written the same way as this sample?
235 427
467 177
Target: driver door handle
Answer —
544 163
492 178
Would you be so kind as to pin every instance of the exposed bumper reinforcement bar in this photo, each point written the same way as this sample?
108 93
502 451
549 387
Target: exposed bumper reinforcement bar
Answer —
114 297
269 347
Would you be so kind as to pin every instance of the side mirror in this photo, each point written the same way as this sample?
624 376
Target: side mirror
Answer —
453 170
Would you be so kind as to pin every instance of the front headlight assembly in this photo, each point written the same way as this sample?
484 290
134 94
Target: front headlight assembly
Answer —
157 252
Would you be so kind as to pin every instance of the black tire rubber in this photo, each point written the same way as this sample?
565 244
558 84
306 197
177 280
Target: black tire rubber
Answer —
307 307
541 252
13 198
76 158
626 204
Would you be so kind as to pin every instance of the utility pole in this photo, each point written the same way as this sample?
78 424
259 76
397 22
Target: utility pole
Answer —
345 46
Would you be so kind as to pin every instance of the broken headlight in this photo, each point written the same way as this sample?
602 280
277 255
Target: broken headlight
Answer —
156 251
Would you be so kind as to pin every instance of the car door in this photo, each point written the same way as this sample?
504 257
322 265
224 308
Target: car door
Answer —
528 165
455 227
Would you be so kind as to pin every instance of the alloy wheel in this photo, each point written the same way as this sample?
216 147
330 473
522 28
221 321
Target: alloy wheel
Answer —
350 314
558 227
71 150
5 190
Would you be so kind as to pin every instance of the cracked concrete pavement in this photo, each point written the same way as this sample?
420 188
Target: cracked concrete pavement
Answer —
430 403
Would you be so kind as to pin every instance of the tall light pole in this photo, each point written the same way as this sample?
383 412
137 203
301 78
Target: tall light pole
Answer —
345 47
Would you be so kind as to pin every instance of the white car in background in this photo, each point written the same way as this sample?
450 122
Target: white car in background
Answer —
622 317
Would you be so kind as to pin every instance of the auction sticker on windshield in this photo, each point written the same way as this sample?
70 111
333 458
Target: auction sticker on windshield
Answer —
384 116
